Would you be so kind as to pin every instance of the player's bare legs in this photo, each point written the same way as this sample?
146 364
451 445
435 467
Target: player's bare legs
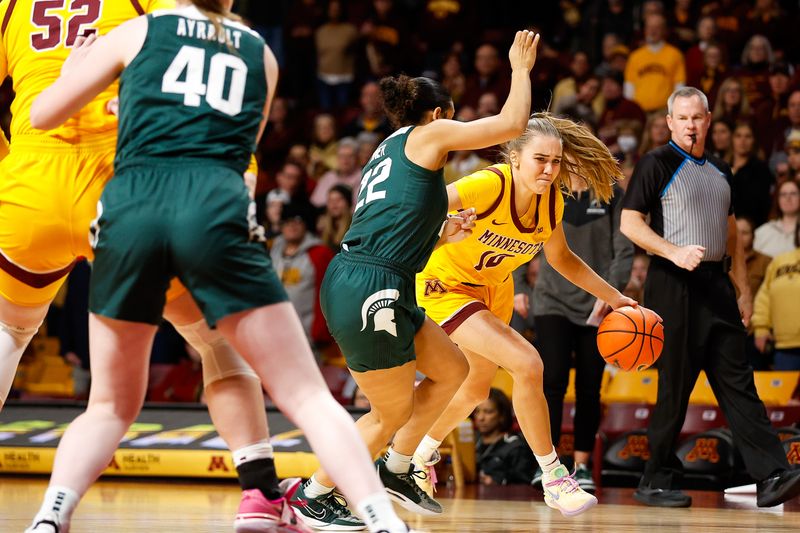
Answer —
236 404
484 336
407 417
234 396
18 325
271 339
119 356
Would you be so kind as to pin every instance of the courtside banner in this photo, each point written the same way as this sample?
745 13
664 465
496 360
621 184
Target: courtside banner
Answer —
164 441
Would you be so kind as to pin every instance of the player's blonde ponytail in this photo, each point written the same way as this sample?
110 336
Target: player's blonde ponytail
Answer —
583 153
216 12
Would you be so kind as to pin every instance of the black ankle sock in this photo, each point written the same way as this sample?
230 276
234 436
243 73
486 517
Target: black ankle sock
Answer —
260 474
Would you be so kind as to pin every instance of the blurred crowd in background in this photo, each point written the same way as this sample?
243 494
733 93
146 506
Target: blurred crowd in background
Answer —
610 64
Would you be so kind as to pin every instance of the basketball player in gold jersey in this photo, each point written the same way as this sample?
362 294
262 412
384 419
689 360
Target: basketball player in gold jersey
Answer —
468 289
50 184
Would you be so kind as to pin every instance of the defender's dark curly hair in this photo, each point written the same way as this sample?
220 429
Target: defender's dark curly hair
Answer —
406 99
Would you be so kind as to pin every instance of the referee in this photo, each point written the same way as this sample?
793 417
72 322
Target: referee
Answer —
692 236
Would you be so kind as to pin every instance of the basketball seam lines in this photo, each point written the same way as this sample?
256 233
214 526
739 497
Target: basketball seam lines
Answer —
639 355
635 332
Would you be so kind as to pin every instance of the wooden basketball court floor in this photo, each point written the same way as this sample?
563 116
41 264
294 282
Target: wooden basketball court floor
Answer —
155 506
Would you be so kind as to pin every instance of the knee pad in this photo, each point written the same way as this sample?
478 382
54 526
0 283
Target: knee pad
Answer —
219 359
13 341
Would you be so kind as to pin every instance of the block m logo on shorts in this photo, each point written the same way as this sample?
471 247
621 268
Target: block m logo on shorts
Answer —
434 286
378 306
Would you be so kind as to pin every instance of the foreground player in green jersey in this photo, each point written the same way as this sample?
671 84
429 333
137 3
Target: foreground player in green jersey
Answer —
368 294
195 88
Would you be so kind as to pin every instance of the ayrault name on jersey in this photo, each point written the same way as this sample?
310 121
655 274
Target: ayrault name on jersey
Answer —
205 30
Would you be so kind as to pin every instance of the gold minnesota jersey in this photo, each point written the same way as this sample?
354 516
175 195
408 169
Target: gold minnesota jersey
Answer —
502 240
37 36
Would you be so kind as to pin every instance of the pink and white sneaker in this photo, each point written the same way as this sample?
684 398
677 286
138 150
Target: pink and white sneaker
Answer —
562 492
257 514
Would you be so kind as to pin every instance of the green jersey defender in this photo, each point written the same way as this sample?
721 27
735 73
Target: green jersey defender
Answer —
191 103
368 295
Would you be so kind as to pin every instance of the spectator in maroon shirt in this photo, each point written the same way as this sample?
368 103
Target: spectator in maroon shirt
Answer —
695 63
280 133
681 20
617 108
487 78
754 72
790 128
713 73
772 114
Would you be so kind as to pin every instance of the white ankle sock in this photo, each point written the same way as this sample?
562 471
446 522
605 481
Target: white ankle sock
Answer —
60 501
397 463
428 447
378 514
315 489
548 462
259 450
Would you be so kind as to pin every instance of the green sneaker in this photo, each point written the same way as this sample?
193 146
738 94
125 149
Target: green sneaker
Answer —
584 478
326 513
403 489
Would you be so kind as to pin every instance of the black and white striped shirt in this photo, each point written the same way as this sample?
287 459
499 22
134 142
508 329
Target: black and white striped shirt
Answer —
688 199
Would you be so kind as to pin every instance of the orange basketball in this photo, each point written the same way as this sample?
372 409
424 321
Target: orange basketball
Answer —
630 338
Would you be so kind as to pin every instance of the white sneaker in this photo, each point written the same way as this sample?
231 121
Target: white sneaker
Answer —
47 523
426 482
562 492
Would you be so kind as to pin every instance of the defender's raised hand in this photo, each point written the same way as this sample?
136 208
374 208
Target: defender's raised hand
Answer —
522 54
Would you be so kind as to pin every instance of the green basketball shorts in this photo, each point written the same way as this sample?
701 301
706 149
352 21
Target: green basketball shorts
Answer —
156 222
371 309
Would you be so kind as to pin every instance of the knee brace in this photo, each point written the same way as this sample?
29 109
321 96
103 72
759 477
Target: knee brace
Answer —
13 341
219 359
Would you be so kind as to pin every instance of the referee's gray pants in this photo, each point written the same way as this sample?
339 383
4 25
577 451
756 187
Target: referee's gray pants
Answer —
703 331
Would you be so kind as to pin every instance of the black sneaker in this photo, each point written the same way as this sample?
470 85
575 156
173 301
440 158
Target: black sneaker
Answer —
326 513
536 482
403 489
778 488
662 497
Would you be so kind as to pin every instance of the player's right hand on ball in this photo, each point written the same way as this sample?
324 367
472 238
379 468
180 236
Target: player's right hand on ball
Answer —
688 257
522 54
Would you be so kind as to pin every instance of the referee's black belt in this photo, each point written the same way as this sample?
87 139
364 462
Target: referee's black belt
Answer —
706 267
723 266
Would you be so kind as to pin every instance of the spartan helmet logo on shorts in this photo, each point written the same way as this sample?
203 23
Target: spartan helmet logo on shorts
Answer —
378 306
